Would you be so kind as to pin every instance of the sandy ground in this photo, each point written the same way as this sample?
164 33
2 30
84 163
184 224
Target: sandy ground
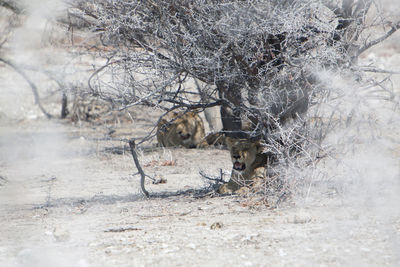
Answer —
77 204
69 198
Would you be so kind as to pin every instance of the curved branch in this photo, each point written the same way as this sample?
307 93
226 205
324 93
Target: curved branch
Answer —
139 168
380 39
97 71
14 6
31 84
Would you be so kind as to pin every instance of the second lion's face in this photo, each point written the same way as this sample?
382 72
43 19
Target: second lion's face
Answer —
243 153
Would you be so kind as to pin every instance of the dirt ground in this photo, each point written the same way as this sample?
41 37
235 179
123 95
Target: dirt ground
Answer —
70 200
68 197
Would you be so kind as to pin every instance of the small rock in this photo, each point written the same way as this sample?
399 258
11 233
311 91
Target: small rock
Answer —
301 217
61 235
216 225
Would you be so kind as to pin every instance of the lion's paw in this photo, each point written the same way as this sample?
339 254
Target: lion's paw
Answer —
244 190
225 189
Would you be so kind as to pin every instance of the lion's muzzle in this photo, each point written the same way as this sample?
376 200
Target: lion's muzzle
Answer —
239 166
183 136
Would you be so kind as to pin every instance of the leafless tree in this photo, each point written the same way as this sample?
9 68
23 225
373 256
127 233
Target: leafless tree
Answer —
257 60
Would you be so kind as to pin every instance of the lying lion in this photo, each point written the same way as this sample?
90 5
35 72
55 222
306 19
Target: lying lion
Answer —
180 129
249 164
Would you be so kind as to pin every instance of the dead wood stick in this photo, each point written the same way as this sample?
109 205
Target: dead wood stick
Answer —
64 106
139 168
31 84
122 229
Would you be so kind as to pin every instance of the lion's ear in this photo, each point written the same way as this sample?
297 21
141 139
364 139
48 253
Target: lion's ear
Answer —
260 146
195 110
163 126
228 142
163 121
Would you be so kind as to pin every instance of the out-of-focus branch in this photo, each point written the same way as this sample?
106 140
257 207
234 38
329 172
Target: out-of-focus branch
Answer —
79 19
74 16
3 42
378 70
12 5
31 84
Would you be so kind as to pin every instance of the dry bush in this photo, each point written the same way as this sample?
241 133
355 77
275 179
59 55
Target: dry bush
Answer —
261 62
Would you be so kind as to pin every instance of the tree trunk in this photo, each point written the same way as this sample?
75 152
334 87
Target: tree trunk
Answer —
64 106
231 117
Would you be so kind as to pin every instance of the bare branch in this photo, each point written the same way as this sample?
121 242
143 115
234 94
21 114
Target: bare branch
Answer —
179 104
139 168
14 6
31 84
394 28
377 70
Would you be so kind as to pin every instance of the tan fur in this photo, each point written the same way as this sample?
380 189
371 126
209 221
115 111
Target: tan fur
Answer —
248 161
216 139
179 129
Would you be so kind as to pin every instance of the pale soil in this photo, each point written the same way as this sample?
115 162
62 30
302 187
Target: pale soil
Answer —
68 198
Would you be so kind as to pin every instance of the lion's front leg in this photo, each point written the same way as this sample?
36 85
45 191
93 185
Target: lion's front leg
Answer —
239 185
232 185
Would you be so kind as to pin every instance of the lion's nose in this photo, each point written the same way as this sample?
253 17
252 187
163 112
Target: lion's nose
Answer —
184 136
236 156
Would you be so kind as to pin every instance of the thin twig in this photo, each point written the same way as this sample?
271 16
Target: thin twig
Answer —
109 62
195 106
122 229
378 70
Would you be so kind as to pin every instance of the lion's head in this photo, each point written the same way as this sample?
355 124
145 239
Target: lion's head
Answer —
180 129
243 154
248 160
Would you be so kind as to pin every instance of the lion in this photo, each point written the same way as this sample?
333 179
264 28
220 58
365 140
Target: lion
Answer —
249 164
180 129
